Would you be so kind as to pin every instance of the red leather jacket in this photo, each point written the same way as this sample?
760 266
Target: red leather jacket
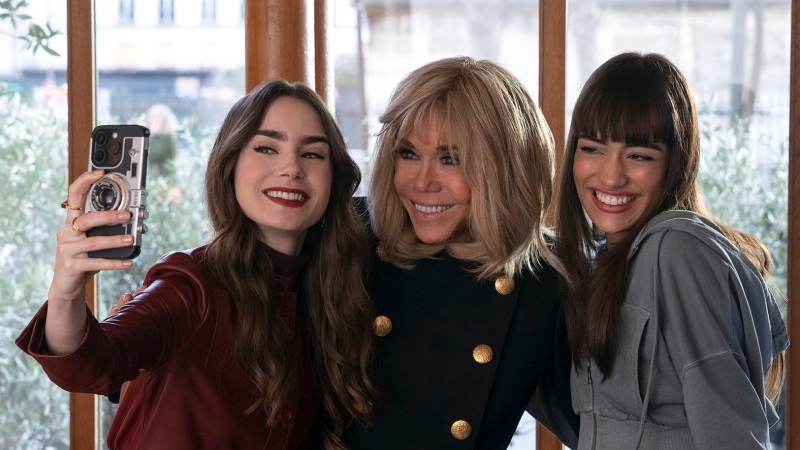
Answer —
190 393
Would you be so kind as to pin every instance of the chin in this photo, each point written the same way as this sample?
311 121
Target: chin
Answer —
430 239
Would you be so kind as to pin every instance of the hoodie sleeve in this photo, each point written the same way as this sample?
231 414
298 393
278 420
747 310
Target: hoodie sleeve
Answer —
712 339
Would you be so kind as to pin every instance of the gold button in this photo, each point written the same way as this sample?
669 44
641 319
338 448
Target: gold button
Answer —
482 354
504 285
381 253
461 429
382 325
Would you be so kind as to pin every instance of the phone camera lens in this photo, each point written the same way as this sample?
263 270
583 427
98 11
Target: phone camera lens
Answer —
113 147
101 138
99 155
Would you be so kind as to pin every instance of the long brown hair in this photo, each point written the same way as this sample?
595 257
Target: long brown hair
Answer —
337 306
505 149
637 99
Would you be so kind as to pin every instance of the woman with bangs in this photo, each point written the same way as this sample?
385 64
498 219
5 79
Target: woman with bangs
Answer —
469 318
676 337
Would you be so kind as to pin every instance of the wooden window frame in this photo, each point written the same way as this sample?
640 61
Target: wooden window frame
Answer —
271 30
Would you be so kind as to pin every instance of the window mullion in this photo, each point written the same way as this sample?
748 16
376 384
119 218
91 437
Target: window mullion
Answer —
81 95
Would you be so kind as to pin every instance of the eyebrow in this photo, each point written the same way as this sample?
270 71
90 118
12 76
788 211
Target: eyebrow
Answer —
277 135
600 141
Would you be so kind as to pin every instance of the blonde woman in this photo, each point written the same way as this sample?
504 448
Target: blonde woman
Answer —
469 319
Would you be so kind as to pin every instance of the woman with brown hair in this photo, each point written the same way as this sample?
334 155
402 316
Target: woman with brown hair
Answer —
676 338
249 341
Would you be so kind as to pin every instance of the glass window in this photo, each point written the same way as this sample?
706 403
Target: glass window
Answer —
167 12
736 58
209 11
34 413
179 79
126 11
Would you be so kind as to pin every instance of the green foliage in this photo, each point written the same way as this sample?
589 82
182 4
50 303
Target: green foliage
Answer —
33 167
34 413
37 36
744 191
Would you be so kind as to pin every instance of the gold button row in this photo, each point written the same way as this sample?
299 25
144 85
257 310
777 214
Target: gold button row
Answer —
482 354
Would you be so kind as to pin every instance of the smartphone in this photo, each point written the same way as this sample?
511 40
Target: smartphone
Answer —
120 150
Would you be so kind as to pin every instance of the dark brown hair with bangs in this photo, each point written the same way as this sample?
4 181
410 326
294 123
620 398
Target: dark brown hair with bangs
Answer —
637 99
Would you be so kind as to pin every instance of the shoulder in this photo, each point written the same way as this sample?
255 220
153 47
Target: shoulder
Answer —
182 264
686 237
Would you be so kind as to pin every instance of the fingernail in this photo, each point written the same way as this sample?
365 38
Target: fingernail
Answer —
127 263
125 215
127 239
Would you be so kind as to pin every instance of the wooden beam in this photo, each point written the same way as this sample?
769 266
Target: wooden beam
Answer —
323 71
793 270
276 41
552 68
81 76
552 100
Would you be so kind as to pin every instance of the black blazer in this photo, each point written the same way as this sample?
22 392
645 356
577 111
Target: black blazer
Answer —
437 394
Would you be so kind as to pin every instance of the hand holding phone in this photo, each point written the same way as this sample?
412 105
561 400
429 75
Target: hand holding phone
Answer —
120 150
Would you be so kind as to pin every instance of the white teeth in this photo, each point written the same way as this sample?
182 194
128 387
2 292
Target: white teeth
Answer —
431 209
614 200
286 195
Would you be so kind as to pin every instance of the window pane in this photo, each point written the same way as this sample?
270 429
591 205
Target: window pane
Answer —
177 69
34 413
736 57
377 42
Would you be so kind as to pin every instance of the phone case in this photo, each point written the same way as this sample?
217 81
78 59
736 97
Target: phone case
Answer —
120 150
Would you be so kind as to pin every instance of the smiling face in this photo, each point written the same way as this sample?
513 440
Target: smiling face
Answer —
617 183
431 186
283 175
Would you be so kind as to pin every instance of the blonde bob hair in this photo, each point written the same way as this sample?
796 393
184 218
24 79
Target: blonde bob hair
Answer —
505 149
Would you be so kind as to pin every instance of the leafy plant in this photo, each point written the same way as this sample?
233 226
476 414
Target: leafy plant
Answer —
34 413
745 191
37 36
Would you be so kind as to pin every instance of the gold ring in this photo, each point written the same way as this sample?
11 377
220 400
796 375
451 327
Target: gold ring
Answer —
75 226
65 205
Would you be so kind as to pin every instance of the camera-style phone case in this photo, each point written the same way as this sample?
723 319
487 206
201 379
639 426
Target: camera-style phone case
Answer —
120 150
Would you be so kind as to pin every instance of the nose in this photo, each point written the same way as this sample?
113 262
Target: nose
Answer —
290 165
427 178
612 173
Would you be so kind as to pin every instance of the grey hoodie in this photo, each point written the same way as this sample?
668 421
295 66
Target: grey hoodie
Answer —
699 331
